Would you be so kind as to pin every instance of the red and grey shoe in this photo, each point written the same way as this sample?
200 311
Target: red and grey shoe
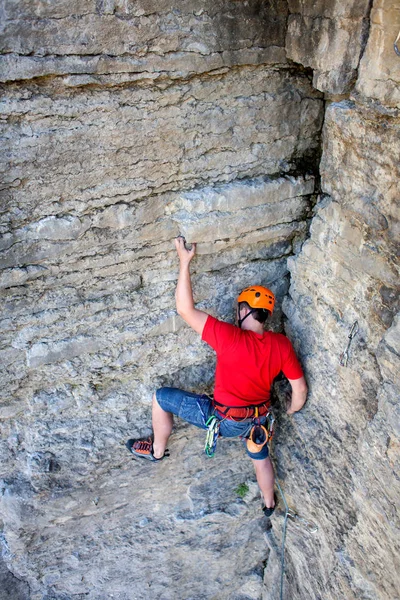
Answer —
144 449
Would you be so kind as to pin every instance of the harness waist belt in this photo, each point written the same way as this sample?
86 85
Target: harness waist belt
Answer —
242 413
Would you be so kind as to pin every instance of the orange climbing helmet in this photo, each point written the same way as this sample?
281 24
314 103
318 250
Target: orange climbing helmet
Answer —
258 296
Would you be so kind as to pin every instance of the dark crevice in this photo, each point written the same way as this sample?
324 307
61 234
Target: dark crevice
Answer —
11 587
366 27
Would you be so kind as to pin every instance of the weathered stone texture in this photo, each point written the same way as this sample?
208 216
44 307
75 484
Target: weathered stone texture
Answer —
119 41
117 536
152 120
347 271
328 37
379 75
80 151
124 124
82 352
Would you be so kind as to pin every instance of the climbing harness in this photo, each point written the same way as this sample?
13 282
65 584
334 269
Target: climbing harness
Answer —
253 414
293 516
212 434
396 48
241 413
345 356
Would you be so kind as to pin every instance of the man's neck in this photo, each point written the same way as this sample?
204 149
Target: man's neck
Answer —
253 325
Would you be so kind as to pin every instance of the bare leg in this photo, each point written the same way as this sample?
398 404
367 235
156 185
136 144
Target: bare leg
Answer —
162 427
266 480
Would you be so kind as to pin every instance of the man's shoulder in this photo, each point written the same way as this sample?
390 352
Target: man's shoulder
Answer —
218 330
219 322
224 326
278 338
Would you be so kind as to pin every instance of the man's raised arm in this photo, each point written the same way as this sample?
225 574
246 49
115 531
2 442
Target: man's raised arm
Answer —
195 318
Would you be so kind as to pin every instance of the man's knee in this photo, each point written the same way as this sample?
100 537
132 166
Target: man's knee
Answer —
157 398
168 399
259 457
260 463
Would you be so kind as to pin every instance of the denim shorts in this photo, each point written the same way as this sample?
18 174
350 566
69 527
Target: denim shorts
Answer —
196 409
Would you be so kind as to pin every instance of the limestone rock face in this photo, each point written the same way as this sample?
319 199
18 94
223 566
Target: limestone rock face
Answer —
347 273
123 125
168 530
117 41
379 76
204 130
328 37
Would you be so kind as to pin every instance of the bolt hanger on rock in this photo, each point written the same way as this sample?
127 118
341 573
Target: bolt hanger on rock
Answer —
344 357
396 48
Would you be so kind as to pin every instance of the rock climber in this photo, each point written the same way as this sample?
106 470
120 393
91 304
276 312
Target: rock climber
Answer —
248 360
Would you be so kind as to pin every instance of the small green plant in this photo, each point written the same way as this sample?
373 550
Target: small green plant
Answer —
242 489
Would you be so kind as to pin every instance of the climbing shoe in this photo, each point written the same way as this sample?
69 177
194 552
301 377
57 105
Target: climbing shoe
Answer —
268 512
144 449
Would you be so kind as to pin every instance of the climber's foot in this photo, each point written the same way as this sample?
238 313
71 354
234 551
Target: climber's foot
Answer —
144 449
268 511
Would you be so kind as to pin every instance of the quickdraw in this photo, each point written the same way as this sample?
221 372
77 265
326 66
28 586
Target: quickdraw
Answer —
212 434
270 426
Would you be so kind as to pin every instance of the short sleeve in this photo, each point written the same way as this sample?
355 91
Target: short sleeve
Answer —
219 335
290 365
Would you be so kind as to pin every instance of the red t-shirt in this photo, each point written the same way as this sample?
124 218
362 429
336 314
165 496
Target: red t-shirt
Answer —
248 362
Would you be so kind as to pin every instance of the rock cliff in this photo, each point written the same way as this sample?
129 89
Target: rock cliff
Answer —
268 132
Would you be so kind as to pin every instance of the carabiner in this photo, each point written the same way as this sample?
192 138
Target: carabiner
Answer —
354 330
396 49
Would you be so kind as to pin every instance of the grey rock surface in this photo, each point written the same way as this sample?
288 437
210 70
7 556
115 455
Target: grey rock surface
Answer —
379 75
329 37
168 530
11 587
146 142
117 41
124 124
347 272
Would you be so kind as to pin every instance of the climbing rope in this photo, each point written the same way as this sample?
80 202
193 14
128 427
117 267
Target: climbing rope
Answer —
345 356
396 48
291 514
283 536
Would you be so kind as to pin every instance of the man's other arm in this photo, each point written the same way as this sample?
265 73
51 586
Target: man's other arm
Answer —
299 395
195 318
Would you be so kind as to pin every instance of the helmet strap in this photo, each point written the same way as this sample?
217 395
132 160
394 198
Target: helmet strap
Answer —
240 321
